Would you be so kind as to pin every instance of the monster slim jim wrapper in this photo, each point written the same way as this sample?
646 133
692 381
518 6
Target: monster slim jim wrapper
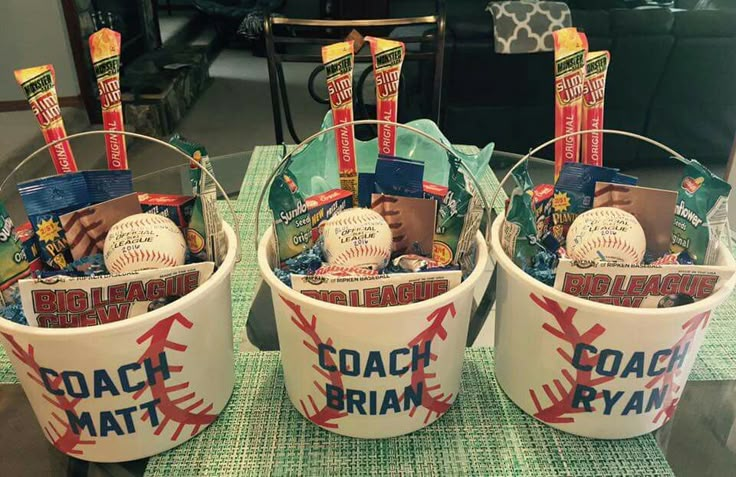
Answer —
292 222
570 49
388 55
38 85
458 218
338 61
46 199
13 261
701 214
104 48
594 88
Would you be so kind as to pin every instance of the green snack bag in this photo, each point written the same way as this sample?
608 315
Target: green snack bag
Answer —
292 222
13 262
519 229
701 214
458 218
205 236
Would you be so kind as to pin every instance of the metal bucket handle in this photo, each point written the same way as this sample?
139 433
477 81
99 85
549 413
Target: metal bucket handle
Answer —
191 161
322 132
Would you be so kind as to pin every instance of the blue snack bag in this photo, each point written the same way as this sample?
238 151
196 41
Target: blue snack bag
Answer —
575 191
397 176
47 198
104 185
366 187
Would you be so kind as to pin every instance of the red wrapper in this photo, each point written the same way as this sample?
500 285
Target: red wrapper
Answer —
570 49
388 55
38 84
104 48
338 61
594 89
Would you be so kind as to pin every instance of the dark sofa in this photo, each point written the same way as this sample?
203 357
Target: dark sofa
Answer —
672 77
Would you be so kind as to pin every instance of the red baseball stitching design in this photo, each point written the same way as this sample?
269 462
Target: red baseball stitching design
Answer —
169 406
560 409
369 251
324 416
439 403
67 442
341 271
668 378
611 242
144 256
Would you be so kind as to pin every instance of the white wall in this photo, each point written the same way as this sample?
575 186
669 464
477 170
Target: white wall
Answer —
34 33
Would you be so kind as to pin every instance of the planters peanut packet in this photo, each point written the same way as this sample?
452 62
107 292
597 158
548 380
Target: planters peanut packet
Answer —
701 214
47 198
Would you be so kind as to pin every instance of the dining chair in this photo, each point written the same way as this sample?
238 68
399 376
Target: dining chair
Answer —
299 40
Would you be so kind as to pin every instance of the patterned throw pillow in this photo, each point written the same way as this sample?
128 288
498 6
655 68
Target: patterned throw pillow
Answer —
526 26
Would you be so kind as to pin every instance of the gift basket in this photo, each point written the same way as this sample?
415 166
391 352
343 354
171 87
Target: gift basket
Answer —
373 259
116 305
604 348
605 288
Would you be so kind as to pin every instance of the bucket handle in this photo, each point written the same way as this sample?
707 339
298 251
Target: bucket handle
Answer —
322 132
191 161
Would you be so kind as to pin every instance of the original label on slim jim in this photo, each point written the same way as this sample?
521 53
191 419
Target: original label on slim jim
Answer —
570 50
38 86
104 47
594 89
388 56
338 60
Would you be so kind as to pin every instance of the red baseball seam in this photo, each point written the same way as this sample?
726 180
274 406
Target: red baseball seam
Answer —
669 378
172 408
437 404
560 407
67 442
325 416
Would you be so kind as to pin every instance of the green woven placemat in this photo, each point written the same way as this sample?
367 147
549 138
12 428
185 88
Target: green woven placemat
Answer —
484 433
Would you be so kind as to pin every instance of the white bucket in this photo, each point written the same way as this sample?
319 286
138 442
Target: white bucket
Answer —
133 388
553 351
371 372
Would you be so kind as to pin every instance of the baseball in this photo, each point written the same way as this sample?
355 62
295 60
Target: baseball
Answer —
357 238
606 234
142 242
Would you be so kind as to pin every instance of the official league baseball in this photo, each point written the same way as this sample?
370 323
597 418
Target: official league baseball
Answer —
142 242
357 238
606 234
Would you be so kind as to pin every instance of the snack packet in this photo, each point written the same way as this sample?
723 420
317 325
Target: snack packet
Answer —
458 218
323 206
104 48
701 214
178 208
13 261
38 85
205 235
104 185
519 229
71 302
338 61
575 191
292 224
571 47
594 87
28 240
542 203
398 176
47 198
388 55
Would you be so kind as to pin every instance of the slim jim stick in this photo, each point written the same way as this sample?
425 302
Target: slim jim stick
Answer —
38 85
338 60
104 48
388 56
594 88
570 49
